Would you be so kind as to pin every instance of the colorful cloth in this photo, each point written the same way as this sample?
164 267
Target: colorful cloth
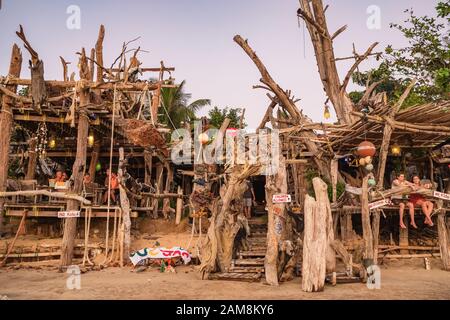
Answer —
160 253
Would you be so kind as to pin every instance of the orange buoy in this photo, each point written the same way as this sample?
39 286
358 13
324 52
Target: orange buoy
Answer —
366 149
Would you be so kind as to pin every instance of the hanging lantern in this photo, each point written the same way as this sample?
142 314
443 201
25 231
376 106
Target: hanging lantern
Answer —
366 149
326 112
52 143
396 150
98 167
91 139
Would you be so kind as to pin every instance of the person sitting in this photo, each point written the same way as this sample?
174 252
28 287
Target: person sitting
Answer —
401 181
87 178
65 177
418 199
59 176
111 182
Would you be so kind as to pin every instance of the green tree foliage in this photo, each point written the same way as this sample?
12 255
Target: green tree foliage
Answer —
175 105
426 58
217 116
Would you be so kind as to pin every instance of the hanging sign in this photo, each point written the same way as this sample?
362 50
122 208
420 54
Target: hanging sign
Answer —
281 198
441 195
69 214
379 203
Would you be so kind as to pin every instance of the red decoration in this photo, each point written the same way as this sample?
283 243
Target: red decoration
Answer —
366 148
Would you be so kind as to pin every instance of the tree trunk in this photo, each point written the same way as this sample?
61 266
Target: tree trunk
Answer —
6 122
125 205
78 169
276 225
166 201
179 210
159 171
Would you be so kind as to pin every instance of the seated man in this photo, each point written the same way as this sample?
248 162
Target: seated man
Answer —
418 199
59 176
401 181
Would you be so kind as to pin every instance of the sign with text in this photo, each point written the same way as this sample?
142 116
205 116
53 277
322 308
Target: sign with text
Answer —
379 203
281 198
69 214
441 195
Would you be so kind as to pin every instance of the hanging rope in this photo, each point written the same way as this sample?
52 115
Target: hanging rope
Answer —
87 227
110 172
170 119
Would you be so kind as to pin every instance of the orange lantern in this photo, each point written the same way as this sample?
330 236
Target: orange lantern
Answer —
366 149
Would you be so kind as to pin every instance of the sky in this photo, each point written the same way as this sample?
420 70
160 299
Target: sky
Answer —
196 37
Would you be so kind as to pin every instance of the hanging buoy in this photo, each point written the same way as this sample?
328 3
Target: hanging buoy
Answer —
366 149
368 159
371 182
362 162
369 167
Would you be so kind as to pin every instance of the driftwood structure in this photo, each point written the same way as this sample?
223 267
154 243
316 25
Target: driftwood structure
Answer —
113 115
302 234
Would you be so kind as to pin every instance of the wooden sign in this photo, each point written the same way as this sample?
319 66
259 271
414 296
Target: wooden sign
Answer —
379 203
69 214
281 198
441 195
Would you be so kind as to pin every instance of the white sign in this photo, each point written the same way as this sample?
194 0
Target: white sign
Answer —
379 203
281 198
441 195
69 214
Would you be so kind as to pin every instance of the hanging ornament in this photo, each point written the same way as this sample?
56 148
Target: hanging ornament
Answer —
369 167
366 148
362 162
42 142
203 138
98 167
326 112
371 182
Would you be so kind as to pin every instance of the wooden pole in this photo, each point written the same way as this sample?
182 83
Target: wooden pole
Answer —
166 201
444 236
6 124
159 171
32 159
179 211
94 160
276 221
78 169
365 218
125 205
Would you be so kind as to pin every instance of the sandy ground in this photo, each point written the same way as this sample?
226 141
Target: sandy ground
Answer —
115 283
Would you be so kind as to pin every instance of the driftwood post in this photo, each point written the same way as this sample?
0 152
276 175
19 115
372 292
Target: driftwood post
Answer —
6 121
125 205
159 172
78 168
315 243
94 160
443 234
275 184
179 210
166 200
32 159
365 220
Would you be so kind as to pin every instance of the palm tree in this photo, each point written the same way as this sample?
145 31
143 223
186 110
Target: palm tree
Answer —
176 107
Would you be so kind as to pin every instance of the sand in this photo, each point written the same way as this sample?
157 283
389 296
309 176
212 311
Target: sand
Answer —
404 282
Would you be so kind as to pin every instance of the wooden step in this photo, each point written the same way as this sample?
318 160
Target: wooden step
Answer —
251 253
249 262
231 276
247 269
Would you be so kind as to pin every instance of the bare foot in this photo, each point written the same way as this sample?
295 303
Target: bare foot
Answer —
413 224
402 225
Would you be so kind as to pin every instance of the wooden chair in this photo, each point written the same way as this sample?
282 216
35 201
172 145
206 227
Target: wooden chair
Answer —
28 185
89 191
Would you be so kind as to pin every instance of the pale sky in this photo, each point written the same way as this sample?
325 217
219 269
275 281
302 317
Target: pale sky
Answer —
196 37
